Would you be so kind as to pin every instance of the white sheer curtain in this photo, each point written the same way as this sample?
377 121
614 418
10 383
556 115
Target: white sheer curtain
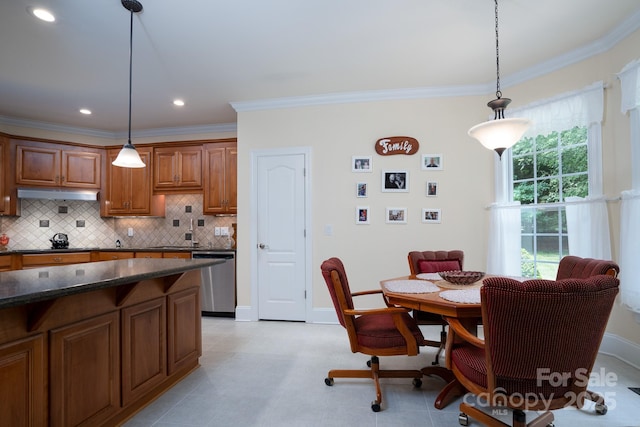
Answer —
588 227
630 205
562 112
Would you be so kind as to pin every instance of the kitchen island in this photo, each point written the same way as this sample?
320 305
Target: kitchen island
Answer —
93 343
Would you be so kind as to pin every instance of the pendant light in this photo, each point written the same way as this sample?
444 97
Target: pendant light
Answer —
500 133
128 156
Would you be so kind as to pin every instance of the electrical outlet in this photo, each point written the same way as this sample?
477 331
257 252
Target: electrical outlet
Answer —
216 231
130 232
224 231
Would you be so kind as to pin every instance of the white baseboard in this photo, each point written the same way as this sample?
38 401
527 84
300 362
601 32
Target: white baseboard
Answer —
319 315
621 348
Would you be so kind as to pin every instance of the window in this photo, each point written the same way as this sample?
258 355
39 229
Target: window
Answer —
546 170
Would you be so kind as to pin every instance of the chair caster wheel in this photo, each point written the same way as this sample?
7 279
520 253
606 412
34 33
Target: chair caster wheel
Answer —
601 408
328 381
417 382
369 363
375 406
463 419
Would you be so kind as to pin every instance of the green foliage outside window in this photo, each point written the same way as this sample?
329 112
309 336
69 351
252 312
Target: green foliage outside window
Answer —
546 170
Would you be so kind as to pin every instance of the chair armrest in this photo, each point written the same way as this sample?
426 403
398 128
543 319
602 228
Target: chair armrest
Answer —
369 292
383 310
461 333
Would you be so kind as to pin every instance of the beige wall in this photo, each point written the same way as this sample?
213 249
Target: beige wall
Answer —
372 252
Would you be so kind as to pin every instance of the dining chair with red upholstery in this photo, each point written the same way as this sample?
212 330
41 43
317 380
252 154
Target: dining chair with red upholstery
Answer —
386 331
577 267
434 262
541 339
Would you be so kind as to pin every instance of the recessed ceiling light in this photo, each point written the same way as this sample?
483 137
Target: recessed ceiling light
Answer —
178 102
43 14
85 111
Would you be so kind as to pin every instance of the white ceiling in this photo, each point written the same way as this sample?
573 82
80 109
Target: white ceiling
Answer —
215 52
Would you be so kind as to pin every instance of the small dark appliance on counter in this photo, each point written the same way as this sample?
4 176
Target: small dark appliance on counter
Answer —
59 241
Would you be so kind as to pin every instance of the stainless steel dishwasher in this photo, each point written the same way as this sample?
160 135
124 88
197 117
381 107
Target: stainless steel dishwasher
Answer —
218 289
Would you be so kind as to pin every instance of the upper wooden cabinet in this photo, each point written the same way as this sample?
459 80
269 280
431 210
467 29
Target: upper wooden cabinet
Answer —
4 188
53 165
220 178
177 168
128 190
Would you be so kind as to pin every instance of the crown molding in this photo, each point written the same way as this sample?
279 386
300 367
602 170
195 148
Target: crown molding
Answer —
186 130
628 26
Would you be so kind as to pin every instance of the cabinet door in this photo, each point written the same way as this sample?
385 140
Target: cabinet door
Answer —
140 186
118 186
177 168
165 163
184 338
190 167
231 179
129 190
85 371
37 166
144 348
4 163
81 169
22 372
214 180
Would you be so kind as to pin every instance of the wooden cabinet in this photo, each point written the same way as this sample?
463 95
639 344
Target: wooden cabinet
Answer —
144 348
177 254
53 165
85 371
5 262
220 182
43 260
184 335
4 177
109 256
22 395
177 169
142 254
128 190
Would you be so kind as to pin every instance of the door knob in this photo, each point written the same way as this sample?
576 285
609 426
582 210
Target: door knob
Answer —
263 246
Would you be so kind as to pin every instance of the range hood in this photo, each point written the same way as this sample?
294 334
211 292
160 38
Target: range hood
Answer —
57 194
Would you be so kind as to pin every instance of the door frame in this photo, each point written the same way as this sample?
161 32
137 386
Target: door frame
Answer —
253 219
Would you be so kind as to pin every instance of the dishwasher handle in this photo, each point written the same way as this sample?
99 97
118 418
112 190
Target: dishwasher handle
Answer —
214 256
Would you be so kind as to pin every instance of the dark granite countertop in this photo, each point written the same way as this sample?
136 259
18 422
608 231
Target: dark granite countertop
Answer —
38 284
136 249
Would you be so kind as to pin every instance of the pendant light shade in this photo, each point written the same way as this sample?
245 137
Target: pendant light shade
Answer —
128 156
500 133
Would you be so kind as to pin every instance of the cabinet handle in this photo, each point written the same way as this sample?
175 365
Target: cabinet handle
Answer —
57 179
57 259
62 179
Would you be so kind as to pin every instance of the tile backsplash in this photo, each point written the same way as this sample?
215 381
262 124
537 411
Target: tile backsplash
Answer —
82 223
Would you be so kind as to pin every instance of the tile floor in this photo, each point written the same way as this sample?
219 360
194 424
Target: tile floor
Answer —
271 374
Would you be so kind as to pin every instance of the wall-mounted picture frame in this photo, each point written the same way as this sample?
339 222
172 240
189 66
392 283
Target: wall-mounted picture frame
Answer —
362 214
432 162
396 216
361 164
433 216
432 189
396 181
362 189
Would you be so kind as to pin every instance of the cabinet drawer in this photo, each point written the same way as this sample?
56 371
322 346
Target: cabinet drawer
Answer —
38 260
148 254
108 256
185 255
5 262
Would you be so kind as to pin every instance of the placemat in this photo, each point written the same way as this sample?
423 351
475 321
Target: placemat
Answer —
429 276
411 286
468 296
449 285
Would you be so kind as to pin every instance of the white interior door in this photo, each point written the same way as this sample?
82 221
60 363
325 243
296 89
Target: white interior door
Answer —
281 237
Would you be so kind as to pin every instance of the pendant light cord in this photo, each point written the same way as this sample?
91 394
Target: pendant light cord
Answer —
130 70
498 92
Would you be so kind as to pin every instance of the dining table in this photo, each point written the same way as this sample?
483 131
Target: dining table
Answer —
428 292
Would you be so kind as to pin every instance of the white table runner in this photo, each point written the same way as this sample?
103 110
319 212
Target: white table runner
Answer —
411 286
